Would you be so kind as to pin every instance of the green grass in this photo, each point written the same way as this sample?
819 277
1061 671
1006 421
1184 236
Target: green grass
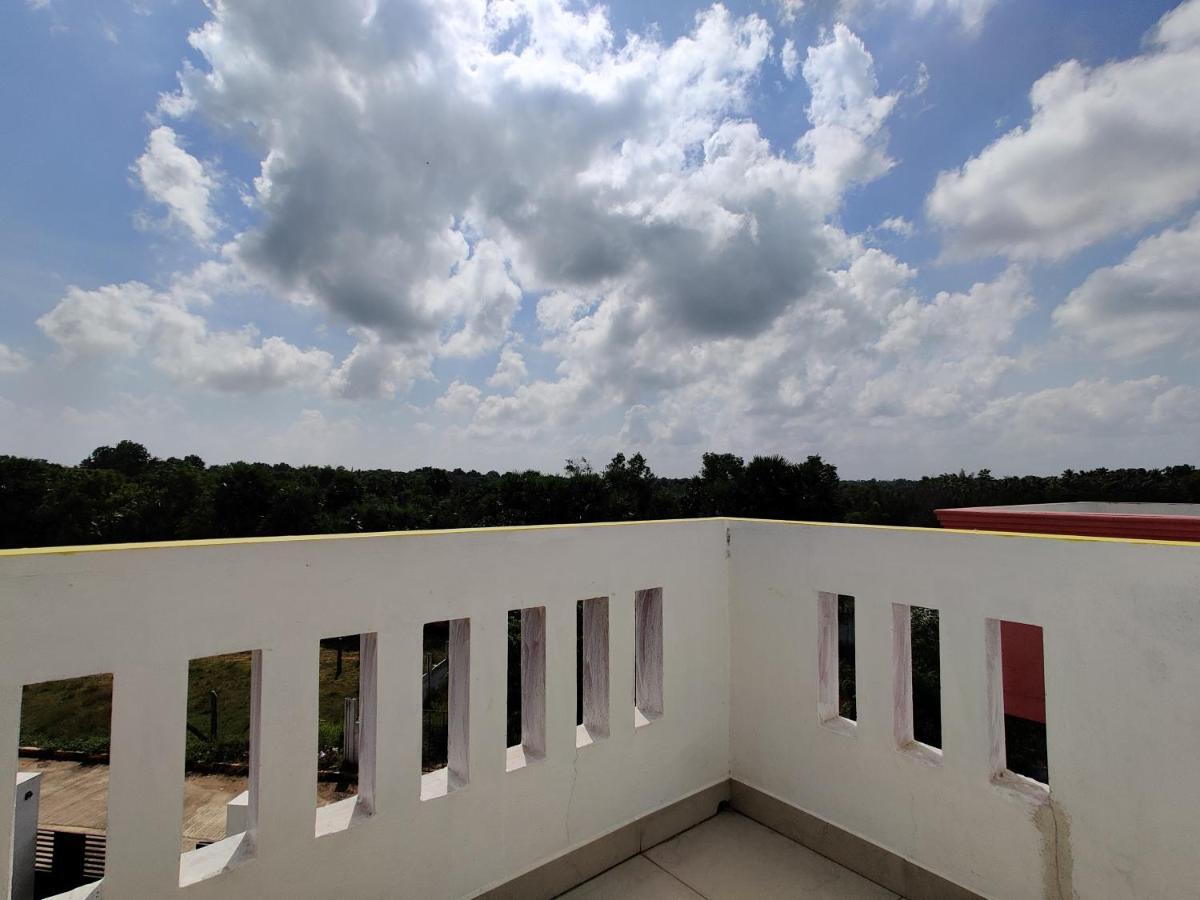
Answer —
332 690
72 714
229 676
75 713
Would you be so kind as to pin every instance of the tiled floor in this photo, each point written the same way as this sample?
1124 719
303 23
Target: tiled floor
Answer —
729 857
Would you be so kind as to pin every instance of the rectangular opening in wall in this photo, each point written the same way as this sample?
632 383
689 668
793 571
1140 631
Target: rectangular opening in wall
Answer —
847 678
648 659
61 816
346 697
591 682
220 762
836 690
926 676
1017 694
526 738
917 681
445 707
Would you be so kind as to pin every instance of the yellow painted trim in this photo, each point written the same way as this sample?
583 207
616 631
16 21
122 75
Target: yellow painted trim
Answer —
1086 538
289 539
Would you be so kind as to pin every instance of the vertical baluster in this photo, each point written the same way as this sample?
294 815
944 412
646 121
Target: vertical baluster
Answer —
458 750
648 661
596 662
533 682
145 800
902 707
288 745
368 699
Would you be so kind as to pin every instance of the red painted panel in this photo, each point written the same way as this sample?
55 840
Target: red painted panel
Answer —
1024 671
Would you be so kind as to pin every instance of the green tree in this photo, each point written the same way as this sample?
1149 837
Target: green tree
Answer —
770 487
243 497
129 458
630 486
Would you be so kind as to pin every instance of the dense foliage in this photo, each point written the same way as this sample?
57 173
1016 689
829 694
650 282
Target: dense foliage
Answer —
123 493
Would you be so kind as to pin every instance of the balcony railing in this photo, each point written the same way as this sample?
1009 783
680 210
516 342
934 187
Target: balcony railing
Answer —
708 672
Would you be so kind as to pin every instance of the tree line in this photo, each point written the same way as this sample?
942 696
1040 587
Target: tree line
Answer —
124 493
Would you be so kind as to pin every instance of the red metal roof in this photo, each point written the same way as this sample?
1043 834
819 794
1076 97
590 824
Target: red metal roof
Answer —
1055 520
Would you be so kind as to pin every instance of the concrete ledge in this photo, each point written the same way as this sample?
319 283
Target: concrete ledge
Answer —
577 866
221 856
869 860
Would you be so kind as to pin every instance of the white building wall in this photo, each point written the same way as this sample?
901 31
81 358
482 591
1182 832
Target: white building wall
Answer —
1122 644
1122 648
142 614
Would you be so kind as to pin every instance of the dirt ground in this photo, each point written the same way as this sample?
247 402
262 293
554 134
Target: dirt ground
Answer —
74 797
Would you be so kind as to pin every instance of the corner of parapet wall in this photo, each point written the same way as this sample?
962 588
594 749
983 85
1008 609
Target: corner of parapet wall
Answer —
727 540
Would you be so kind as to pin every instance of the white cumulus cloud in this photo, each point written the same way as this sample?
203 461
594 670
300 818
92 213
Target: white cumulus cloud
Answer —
1108 149
127 319
173 177
510 370
12 360
1144 304
789 59
898 225
1094 408
589 237
847 143
789 9
969 13
460 399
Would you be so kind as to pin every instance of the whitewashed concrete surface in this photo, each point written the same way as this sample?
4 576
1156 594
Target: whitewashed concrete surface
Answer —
143 613
740 697
1121 627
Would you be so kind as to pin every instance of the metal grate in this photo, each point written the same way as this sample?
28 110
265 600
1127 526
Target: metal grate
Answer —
95 848
43 859
70 858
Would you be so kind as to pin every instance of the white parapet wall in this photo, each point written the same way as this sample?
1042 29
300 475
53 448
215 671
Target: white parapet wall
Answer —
1121 626
142 613
739 697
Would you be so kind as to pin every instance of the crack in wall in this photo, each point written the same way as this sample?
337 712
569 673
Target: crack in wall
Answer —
1055 827
571 796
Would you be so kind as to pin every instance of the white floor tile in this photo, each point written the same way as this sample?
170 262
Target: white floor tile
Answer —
637 879
730 857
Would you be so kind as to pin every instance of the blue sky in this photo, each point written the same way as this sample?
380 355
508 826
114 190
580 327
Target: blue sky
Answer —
910 235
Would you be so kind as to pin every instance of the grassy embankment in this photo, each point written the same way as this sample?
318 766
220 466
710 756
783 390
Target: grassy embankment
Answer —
74 713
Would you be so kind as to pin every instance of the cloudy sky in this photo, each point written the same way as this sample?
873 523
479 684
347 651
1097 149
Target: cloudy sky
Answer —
910 235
